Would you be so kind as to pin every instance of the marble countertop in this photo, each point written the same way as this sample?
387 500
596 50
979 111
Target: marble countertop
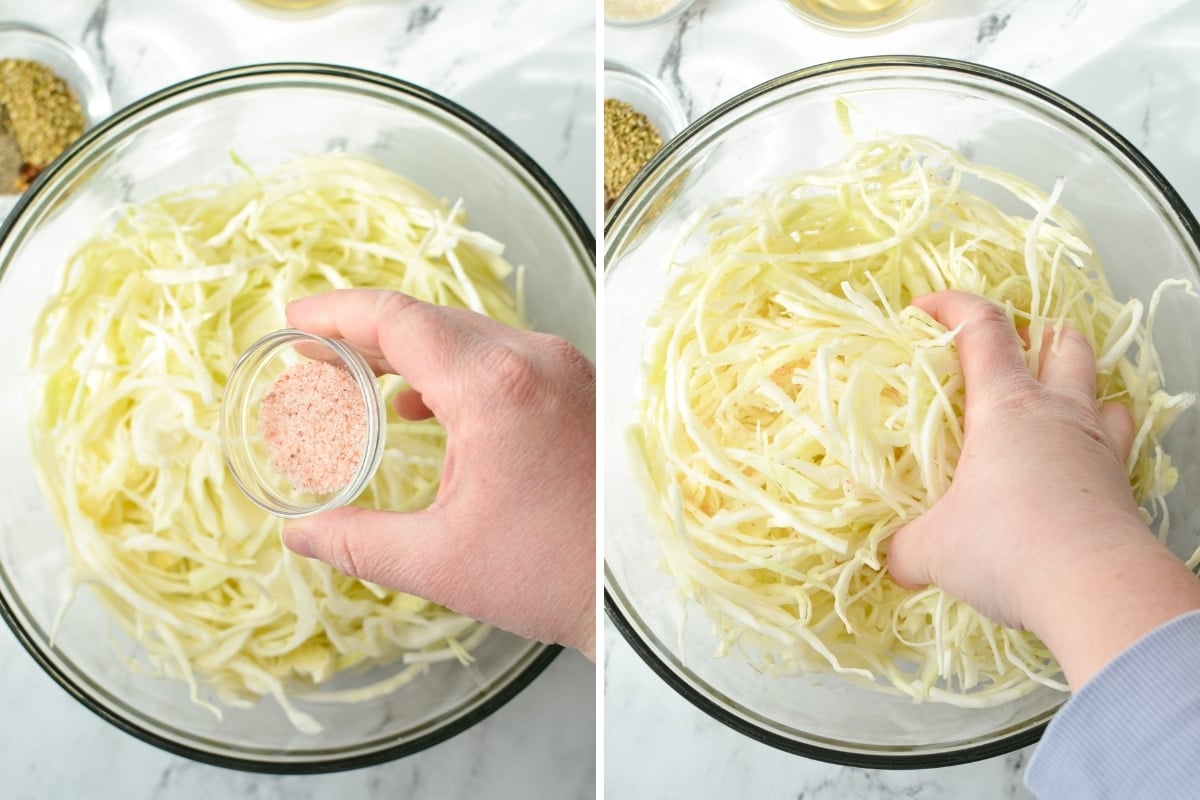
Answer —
534 80
1135 65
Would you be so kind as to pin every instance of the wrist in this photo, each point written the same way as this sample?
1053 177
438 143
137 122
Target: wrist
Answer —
1089 610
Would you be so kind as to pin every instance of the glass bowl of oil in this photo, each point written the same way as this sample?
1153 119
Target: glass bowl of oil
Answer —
857 16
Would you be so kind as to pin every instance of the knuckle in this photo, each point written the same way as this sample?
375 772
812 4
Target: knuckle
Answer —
393 304
406 322
1069 337
563 355
343 556
533 372
344 552
991 315
512 374
420 318
566 366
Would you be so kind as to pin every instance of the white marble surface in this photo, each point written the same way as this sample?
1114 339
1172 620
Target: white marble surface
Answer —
1136 65
529 68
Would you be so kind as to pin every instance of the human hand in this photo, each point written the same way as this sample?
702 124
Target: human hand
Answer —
1039 528
510 538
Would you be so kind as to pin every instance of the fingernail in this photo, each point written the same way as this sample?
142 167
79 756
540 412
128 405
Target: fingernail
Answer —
297 542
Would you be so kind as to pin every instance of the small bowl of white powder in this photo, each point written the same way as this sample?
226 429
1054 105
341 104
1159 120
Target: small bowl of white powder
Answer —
641 13
302 423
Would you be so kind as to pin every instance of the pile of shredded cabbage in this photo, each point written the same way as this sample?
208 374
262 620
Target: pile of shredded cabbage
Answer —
797 410
150 316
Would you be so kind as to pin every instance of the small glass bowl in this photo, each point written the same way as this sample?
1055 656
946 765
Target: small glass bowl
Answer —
850 21
293 9
647 95
241 436
68 61
645 22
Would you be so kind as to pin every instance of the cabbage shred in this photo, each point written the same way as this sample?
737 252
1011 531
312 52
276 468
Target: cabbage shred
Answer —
798 410
134 350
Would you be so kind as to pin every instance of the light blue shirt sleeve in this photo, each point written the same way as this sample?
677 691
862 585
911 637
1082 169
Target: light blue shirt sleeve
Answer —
1133 730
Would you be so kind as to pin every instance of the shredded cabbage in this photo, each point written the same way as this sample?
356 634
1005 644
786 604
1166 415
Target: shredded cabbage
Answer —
134 350
797 410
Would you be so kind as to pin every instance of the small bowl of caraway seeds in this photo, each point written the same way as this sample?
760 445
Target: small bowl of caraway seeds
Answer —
640 116
50 93
302 423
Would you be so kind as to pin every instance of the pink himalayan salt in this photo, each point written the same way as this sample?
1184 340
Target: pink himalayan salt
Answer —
314 424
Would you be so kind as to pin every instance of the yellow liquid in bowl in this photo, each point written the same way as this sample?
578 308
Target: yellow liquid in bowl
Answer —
855 14
292 5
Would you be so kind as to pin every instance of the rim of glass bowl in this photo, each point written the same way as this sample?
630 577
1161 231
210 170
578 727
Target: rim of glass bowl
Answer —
75 160
630 205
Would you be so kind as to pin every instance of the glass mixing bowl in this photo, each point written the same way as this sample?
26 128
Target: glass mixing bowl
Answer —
182 137
1144 234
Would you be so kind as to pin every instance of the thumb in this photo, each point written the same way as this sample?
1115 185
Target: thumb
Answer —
399 550
911 549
